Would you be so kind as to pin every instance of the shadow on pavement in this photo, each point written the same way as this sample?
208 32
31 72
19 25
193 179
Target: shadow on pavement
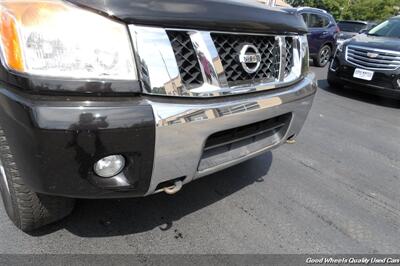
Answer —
106 218
359 95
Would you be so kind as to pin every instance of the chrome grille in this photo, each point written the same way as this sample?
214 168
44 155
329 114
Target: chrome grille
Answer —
228 47
197 63
186 58
374 59
289 56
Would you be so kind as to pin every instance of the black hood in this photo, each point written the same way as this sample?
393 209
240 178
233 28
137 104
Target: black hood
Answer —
223 15
376 42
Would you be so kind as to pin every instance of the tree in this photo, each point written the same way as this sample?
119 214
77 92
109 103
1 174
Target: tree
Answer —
370 10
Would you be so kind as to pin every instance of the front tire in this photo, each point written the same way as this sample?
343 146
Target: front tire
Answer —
323 56
28 210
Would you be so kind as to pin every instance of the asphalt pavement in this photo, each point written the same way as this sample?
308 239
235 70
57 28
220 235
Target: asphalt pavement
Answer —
337 190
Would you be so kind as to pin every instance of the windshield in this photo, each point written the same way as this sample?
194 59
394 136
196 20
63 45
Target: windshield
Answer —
389 28
351 26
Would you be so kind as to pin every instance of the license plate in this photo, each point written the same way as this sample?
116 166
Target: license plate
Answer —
363 74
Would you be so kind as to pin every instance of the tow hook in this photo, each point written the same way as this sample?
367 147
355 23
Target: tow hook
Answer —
291 140
173 189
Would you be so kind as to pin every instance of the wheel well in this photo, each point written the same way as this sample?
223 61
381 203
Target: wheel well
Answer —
329 44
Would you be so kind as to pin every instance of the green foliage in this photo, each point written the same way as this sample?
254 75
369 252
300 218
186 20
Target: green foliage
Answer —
369 10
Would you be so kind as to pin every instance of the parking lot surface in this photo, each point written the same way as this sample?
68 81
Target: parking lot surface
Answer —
337 190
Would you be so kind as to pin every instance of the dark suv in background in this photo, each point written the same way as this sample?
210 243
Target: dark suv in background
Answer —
350 28
322 36
370 61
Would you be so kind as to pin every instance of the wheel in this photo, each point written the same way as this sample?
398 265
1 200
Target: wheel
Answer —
27 209
323 57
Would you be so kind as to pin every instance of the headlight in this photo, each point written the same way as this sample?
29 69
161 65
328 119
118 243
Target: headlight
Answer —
340 47
57 39
340 41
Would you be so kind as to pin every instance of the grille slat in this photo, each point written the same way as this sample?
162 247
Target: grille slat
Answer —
371 64
289 56
375 60
235 138
381 60
228 47
383 57
236 143
186 58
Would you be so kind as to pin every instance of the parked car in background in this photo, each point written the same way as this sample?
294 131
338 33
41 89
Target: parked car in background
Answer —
370 61
322 36
350 28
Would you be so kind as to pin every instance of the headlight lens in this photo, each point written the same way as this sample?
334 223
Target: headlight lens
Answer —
340 47
57 39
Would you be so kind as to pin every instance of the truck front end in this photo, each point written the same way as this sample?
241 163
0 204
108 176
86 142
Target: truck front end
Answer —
118 99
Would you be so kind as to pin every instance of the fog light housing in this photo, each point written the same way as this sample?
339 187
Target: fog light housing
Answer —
396 82
109 166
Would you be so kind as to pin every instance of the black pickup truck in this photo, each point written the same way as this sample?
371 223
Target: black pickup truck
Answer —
127 98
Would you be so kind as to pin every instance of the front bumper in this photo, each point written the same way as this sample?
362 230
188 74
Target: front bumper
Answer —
180 140
57 141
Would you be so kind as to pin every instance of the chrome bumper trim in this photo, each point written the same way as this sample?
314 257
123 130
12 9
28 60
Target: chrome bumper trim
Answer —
183 126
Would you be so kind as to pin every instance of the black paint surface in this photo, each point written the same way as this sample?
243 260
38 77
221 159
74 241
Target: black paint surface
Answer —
227 15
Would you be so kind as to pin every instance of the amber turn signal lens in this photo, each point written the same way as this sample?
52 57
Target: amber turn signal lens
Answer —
20 13
11 43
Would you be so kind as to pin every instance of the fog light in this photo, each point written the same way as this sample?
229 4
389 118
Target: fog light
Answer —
398 83
109 166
